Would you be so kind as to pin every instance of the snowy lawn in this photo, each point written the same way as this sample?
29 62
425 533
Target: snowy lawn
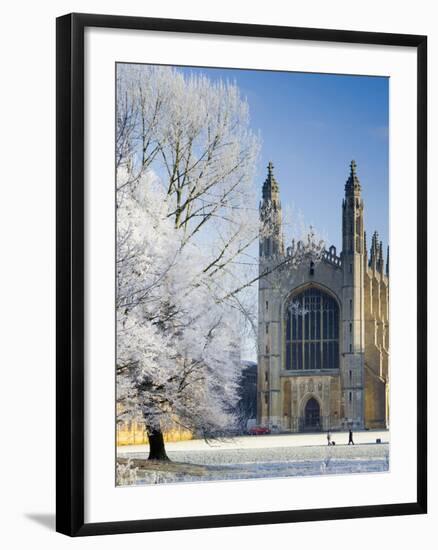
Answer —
261 457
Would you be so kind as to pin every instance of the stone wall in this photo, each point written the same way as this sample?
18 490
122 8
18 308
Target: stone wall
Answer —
133 433
376 349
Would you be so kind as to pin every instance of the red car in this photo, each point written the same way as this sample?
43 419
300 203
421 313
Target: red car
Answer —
259 430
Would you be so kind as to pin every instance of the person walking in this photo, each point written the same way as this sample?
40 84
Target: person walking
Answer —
329 438
350 437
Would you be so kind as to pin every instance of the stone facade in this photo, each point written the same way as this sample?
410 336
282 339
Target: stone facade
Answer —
324 364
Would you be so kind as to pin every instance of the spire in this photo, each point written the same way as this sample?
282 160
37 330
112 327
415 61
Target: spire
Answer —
352 185
381 261
352 215
271 238
365 250
374 252
270 187
387 262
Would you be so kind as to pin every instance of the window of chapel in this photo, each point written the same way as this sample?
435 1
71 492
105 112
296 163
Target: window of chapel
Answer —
312 331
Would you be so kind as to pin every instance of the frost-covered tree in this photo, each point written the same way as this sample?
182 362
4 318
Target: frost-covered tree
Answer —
195 135
185 159
176 345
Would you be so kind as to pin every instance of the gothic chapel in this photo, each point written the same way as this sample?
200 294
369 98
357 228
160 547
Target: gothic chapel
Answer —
323 364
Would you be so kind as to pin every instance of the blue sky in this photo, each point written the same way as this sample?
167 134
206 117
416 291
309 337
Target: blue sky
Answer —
312 126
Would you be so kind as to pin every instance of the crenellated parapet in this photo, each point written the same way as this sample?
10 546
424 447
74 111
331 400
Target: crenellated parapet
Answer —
329 256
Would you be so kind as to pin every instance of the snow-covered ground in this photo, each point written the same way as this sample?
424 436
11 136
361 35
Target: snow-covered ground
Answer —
270 456
265 441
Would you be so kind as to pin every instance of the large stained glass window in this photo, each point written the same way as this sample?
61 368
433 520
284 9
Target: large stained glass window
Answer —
312 331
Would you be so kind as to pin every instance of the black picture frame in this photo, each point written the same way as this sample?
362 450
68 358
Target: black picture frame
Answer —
70 273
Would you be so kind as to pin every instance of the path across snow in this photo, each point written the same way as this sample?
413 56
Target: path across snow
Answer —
270 456
265 441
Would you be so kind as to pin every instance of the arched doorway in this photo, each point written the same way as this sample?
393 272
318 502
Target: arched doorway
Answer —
312 415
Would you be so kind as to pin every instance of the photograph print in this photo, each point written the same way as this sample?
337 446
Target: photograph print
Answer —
252 274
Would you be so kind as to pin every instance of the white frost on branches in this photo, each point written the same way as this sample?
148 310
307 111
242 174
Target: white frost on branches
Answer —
185 164
185 157
177 346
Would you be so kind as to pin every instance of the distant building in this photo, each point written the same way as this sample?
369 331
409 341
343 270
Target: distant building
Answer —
246 408
323 363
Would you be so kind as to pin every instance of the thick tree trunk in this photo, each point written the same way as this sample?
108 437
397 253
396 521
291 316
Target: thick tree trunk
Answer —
157 449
